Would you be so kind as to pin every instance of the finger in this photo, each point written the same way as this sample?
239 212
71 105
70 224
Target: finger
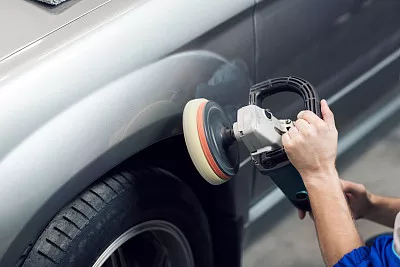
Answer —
286 141
350 187
293 132
301 214
327 114
302 125
346 185
309 117
349 196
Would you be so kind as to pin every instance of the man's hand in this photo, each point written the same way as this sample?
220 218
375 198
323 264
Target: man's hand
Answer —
363 204
312 144
359 199
312 147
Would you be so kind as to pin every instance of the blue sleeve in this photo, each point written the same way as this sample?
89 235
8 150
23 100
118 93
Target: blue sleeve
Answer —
381 254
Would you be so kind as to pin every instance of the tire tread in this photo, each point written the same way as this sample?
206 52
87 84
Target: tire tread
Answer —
44 255
89 204
97 195
54 244
110 187
70 221
61 232
80 212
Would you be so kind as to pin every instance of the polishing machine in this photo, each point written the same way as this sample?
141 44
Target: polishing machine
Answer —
213 141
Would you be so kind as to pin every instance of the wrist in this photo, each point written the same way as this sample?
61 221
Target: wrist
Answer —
321 177
324 187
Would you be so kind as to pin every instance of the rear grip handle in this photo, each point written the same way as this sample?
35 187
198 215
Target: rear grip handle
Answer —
260 91
289 181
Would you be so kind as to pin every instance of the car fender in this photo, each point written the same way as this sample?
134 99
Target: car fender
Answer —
82 100
85 140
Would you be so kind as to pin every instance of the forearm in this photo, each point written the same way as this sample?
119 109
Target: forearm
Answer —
337 234
383 210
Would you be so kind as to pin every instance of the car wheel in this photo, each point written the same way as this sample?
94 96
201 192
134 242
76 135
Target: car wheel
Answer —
140 218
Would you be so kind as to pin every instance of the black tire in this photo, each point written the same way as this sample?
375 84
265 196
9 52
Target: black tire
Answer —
83 229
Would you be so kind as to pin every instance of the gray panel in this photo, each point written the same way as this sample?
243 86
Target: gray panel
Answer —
88 96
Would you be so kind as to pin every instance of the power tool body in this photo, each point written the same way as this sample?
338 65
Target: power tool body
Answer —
212 140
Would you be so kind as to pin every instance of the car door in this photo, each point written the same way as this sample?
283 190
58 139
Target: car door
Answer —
346 48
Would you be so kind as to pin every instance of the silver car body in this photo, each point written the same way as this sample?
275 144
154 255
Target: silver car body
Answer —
82 91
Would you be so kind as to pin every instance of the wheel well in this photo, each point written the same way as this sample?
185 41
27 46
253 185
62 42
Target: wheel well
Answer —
171 155
219 202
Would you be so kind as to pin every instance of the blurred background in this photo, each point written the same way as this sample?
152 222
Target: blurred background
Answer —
281 239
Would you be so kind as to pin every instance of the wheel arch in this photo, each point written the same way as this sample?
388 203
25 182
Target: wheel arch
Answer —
225 209
179 166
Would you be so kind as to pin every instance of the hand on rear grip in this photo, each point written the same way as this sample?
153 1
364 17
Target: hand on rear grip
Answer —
360 200
311 145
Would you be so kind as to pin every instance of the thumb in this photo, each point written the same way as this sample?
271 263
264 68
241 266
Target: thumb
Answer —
349 187
327 114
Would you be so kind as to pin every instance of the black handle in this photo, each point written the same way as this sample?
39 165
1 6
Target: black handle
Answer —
286 177
296 85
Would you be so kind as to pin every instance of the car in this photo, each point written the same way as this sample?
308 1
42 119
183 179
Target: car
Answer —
94 170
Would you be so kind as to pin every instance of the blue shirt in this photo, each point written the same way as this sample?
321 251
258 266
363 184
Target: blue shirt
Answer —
381 253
